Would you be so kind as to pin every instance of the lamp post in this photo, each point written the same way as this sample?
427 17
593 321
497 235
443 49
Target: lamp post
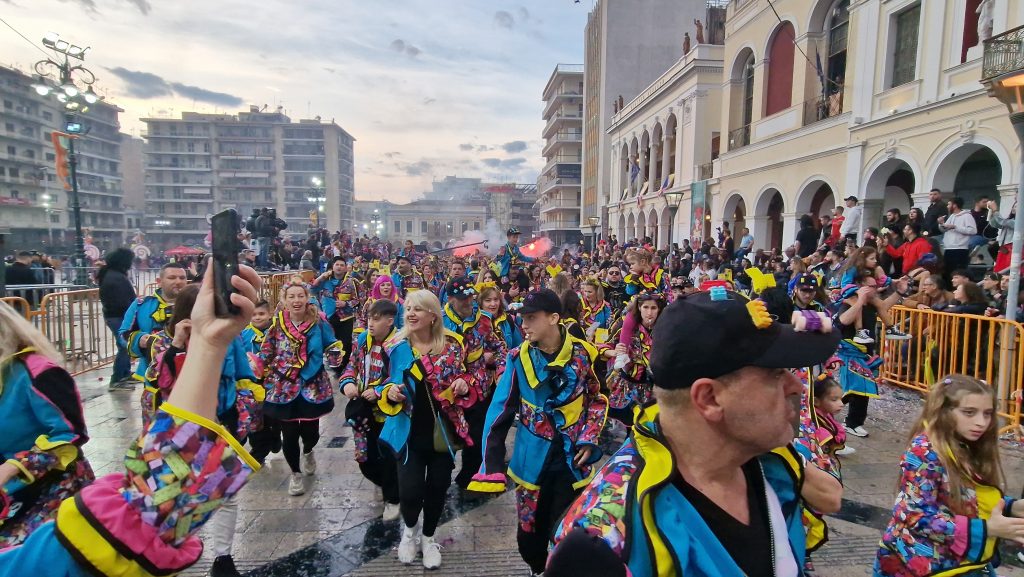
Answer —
317 198
594 221
672 199
60 76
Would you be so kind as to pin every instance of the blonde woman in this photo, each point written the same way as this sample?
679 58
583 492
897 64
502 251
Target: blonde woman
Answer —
426 391
44 430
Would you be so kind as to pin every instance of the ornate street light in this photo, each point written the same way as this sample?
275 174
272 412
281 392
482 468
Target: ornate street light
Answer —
317 197
672 199
595 221
61 76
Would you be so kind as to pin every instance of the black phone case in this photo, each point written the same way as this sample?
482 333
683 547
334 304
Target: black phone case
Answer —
224 233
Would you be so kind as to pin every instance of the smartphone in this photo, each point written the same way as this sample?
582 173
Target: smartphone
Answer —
224 232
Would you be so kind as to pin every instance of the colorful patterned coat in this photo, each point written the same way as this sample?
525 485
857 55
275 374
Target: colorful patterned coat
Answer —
601 315
555 403
437 372
292 360
146 315
342 297
509 255
478 337
633 384
367 369
924 536
656 282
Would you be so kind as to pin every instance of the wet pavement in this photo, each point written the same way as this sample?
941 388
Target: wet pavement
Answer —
335 529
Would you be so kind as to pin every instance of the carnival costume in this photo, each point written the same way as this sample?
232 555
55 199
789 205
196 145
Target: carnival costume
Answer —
511 255
44 432
376 295
293 369
146 315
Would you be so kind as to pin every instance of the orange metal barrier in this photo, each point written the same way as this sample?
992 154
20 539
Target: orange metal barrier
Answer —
272 284
73 322
19 304
943 343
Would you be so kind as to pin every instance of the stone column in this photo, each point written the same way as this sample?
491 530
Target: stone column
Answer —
758 226
665 168
789 227
652 170
873 215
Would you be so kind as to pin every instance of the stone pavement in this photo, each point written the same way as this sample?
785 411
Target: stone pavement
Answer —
335 528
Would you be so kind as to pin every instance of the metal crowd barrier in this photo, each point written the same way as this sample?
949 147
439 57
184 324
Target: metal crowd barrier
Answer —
19 304
944 343
33 294
73 322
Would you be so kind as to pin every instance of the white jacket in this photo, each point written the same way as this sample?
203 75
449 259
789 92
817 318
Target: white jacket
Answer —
959 227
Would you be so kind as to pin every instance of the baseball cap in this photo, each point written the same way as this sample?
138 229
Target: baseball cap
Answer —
461 287
543 300
710 334
511 231
807 280
853 198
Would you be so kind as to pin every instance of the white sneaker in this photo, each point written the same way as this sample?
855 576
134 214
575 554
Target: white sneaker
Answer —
863 337
391 511
846 451
856 431
407 547
431 553
308 463
296 485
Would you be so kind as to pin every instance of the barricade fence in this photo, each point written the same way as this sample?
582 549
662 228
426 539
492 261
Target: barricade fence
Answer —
73 322
942 343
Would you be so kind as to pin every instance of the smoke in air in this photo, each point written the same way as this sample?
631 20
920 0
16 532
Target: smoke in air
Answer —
493 238
538 247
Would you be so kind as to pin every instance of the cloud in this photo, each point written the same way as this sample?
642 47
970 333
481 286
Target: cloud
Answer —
467 146
142 5
204 95
90 5
429 101
420 168
411 51
513 162
87 5
503 19
514 146
392 154
491 162
399 45
524 14
146 85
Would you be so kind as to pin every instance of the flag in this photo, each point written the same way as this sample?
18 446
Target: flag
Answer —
664 186
61 157
821 73
634 171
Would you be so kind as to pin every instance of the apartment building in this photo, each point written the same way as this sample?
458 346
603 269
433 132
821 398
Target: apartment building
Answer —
200 164
559 184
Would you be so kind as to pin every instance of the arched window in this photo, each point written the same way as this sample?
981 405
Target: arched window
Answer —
780 70
748 91
838 34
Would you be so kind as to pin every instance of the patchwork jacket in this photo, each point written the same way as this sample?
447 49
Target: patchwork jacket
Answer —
292 360
146 315
478 337
342 297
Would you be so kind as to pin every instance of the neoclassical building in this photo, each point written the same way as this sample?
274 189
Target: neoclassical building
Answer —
879 99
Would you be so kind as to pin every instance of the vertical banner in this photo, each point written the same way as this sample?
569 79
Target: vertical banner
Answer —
698 208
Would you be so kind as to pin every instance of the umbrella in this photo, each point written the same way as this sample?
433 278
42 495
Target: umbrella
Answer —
184 251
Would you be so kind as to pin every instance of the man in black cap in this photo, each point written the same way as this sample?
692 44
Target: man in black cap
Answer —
510 254
805 293
708 484
405 277
550 388
851 218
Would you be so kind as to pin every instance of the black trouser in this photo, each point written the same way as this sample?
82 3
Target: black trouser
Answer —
380 467
472 457
343 332
857 410
309 431
555 496
264 441
955 258
423 480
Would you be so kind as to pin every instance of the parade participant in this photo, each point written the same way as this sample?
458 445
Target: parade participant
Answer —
366 370
807 293
631 385
238 400
950 511
44 430
431 279
405 277
571 310
383 288
596 312
702 487
550 388
510 254
424 396
643 275
615 289
299 392
493 305
124 524
536 276
485 362
148 314
340 297
266 438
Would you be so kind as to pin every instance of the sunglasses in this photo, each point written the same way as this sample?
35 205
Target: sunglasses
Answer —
614 272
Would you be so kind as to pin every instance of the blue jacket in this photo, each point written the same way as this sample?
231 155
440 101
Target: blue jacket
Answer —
510 254
146 315
637 511
253 338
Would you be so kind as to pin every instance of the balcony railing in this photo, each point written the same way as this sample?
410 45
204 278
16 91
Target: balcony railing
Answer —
1003 53
706 171
739 137
822 107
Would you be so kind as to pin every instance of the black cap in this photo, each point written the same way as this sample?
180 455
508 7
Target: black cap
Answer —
460 287
853 198
543 300
511 231
710 334
807 280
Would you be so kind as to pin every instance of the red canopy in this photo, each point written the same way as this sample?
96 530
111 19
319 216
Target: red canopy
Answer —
184 251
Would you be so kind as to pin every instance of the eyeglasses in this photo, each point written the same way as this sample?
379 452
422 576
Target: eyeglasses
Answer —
613 272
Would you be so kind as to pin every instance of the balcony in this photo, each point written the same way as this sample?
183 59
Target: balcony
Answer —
554 204
558 119
1004 53
546 184
706 171
560 139
559 224
823 107
739 137
559 97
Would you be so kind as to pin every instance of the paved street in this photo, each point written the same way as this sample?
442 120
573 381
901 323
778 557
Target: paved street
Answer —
335 528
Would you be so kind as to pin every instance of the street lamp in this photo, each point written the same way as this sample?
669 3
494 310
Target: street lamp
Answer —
672 199
59 76
595 221
317 197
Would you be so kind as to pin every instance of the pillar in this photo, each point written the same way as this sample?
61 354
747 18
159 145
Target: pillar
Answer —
873 215
789 227
758 226
652 170
665 168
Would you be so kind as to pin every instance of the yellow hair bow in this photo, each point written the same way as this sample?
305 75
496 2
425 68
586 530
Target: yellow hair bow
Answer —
760 281
480 286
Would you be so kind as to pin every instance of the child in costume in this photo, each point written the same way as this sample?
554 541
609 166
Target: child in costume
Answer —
143 521
340 296
297 350
365 371
642 277
595 313
950 510
510 255
632 385
493 305
41 460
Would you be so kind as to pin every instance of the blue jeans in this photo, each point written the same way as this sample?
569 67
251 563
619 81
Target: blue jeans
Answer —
122 362
976 241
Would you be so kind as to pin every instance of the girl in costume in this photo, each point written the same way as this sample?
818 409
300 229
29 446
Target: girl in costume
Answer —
295 351
424 396
41 460
950 510
383 288
632 384
596 313
492 304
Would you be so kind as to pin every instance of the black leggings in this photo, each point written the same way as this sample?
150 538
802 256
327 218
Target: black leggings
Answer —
423 481
291 431
857 411
343 332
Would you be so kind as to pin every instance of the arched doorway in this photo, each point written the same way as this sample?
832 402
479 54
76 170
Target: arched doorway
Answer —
652 227
770 206
641 227
779 84
735 213
970 171
816 199
630 232
621 232
667 227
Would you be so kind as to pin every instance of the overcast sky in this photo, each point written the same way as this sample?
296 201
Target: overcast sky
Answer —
428 88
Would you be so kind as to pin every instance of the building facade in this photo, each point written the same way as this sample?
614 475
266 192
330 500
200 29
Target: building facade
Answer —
434 222
201 164
514 205
34 204
559 184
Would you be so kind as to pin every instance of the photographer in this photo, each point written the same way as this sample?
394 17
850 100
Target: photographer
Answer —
268 227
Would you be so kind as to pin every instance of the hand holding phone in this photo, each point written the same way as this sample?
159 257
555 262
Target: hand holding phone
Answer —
224 232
